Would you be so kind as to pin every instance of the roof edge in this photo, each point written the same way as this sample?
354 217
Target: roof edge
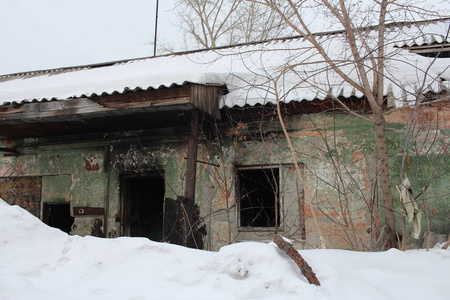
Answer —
110 63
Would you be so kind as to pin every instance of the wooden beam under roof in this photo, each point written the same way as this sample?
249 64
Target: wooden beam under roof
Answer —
150 109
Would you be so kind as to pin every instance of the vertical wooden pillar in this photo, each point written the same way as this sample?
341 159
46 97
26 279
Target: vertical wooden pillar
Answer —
191 173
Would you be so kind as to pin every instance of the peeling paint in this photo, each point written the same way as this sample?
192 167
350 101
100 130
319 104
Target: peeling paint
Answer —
92 162
339 165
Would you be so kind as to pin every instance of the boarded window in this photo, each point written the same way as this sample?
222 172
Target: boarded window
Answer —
22 191
26 193
259 196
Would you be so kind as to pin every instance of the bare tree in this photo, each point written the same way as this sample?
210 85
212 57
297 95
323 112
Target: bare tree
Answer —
207 21
362 65
225 22
367 55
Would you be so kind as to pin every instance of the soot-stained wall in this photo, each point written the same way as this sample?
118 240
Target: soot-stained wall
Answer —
334 152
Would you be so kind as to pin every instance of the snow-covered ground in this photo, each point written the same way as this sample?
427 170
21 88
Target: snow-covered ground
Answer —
39 262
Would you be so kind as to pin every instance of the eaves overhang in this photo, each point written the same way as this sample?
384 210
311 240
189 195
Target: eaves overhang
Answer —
138 109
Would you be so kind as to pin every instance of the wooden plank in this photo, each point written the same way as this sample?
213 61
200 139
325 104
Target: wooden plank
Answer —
151 95
170 96
161 102
6 109
296 108
79 107
88 211
52 107
429 50
64 104
207 98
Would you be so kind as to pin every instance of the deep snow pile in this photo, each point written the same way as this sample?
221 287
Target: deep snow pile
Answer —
39 262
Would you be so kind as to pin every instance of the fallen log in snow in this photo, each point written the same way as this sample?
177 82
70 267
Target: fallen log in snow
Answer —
297 258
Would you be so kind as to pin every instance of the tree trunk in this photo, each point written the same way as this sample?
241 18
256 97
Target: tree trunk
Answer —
386 188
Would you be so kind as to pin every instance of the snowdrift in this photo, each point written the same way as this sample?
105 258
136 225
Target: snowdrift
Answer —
38 262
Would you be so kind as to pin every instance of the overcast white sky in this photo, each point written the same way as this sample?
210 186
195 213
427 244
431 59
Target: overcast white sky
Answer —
43 34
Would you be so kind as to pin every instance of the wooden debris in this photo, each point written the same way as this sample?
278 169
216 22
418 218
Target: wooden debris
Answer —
445 247
297 258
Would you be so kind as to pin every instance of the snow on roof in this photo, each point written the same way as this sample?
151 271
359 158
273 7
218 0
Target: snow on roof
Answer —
251 72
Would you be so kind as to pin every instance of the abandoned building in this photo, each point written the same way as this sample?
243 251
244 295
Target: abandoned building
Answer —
126 148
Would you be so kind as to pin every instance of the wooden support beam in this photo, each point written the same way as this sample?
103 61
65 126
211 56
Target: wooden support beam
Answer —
88 211
76 108
191 173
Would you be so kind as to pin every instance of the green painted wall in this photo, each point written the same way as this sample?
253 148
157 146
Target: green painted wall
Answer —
335 151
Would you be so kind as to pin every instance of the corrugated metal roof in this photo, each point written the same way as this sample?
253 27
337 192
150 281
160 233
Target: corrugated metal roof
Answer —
248 70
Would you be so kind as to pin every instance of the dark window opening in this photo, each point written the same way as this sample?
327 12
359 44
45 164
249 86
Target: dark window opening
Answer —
143 205
57 215
259 196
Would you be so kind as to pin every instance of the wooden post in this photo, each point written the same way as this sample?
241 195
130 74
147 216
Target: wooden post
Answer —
191 173
297 258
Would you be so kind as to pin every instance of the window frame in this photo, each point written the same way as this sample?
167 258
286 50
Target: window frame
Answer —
281 215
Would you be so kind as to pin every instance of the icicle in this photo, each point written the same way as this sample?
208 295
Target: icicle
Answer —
390 96
404 96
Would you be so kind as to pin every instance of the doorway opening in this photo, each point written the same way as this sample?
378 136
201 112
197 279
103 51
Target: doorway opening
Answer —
143 205
57 215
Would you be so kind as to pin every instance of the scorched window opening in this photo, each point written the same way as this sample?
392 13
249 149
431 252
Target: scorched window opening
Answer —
258 192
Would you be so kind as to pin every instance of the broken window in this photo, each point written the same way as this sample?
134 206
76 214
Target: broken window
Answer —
258 192
30 191
57 215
